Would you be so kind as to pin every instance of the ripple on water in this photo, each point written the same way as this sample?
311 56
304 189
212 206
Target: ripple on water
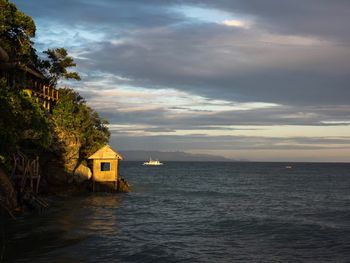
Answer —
197 212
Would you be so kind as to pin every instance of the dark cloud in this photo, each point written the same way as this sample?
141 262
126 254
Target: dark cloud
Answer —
206 62
306 17
310 17
157 49
162 119
203 142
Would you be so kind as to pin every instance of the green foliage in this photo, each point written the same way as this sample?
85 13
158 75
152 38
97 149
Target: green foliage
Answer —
56 66
72 115
23 124
16 31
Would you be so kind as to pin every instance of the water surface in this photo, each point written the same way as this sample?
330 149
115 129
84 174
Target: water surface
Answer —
196 212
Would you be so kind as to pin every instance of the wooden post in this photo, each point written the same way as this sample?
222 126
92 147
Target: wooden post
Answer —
36 173
31 174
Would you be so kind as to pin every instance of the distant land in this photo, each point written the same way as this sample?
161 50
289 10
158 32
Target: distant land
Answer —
172 156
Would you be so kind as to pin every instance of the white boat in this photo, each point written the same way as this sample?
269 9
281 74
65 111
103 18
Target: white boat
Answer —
152 162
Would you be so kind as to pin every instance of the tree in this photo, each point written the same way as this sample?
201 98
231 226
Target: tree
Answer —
16 31
22 123
56 66
73 116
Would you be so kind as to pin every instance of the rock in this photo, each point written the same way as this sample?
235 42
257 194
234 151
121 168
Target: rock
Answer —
82 173
8 197
54 173
123 186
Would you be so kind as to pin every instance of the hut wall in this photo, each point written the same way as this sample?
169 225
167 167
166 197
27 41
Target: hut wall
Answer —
105 176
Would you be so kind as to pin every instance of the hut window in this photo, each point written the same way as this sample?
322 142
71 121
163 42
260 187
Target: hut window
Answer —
105 166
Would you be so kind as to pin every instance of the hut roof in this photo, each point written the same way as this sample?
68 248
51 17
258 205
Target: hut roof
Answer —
106 152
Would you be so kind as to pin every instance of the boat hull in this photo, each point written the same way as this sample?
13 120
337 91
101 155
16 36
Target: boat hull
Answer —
152 164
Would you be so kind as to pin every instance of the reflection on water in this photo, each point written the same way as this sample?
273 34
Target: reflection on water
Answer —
70 221
104 219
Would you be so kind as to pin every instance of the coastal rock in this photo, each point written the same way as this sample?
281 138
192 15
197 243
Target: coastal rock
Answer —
53 171
82 173
8 199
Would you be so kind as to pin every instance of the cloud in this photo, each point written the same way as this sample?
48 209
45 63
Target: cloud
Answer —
162 70
324 19
245 67
291 55
235 23
318 18
203 142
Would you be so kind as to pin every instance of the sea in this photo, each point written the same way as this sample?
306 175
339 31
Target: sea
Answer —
195 212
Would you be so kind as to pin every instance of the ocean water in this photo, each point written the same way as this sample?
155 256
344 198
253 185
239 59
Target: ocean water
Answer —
195 212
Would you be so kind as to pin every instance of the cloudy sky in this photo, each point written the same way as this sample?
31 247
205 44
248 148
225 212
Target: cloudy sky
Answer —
264 80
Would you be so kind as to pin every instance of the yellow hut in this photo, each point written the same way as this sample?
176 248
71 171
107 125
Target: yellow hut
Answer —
105 166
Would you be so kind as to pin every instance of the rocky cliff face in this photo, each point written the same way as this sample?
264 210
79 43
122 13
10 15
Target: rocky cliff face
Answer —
59 165
70 146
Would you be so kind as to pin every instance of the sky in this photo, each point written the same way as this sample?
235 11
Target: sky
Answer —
245 79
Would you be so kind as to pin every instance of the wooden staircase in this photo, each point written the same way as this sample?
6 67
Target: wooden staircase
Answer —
26 177
26 172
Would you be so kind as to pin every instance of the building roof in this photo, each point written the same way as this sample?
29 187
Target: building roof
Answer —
34 72
5 63
106 152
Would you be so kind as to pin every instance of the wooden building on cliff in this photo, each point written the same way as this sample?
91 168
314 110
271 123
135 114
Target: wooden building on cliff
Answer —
28 79
105 169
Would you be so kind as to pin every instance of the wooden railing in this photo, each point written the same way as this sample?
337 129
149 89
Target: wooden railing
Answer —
44 91
46 95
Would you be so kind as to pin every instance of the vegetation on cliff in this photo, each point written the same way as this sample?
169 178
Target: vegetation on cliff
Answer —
73 116
56 66
23 124
70 133
78 129
16 32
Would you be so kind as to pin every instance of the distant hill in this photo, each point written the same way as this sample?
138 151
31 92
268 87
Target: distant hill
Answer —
172 156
